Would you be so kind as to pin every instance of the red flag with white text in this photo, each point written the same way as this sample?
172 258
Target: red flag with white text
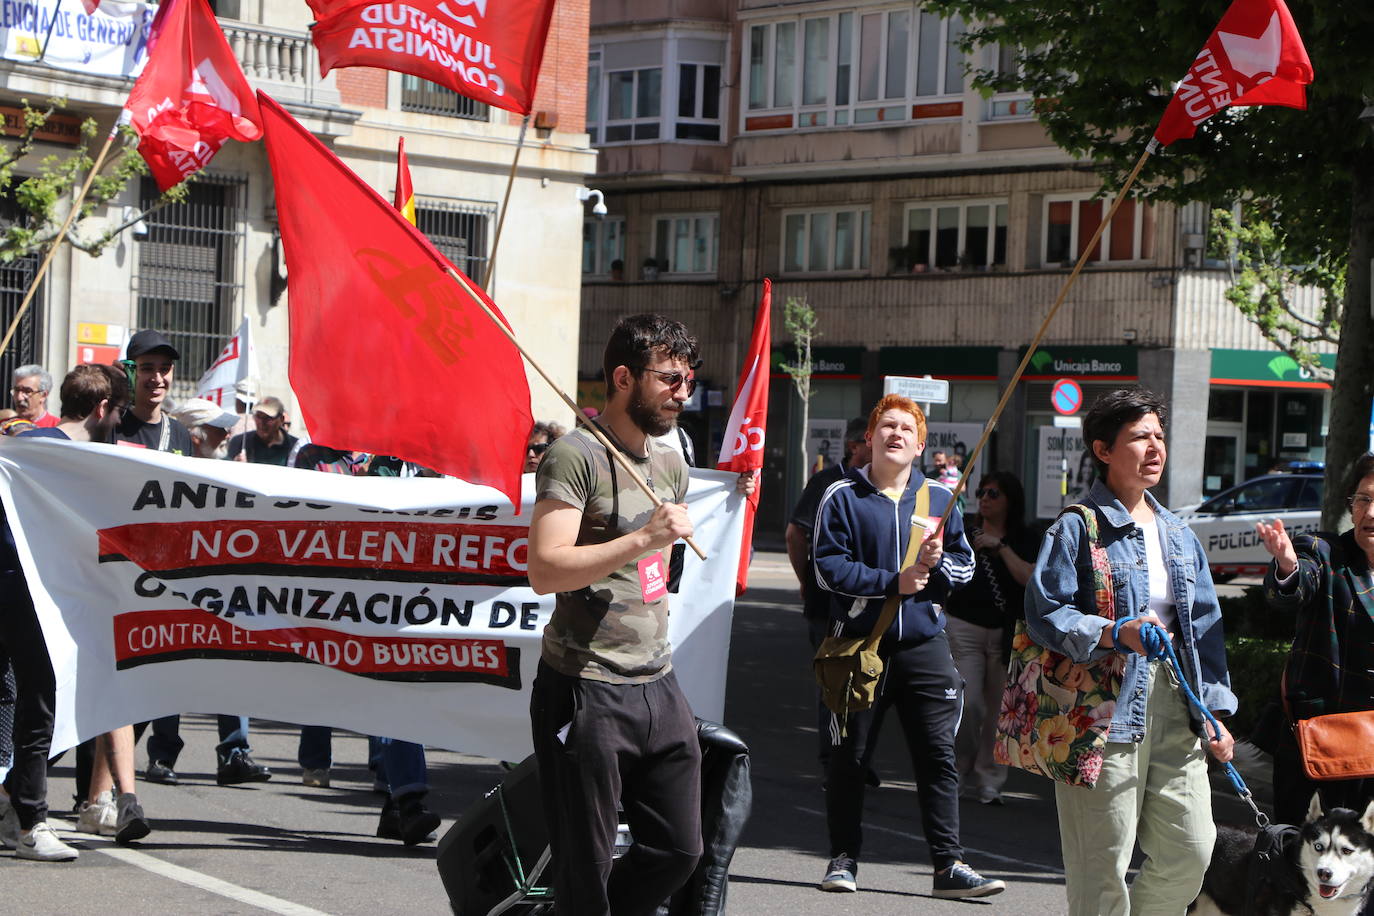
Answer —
192 96
388 354
488 50
1255 57
742 450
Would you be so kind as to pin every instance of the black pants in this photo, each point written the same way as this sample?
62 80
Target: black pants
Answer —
601 744
921 685
27 782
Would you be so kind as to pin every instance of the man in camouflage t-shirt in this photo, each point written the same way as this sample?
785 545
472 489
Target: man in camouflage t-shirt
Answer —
609 721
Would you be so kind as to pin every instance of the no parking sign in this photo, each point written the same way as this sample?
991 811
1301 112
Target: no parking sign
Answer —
1066 396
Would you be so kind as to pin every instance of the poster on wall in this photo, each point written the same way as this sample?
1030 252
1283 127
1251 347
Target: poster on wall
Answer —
1064 472
958 439
824 443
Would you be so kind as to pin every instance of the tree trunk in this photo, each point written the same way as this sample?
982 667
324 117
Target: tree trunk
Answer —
1348 437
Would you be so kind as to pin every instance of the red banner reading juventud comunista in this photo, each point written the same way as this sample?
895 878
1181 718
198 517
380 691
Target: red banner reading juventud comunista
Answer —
488 50
147 637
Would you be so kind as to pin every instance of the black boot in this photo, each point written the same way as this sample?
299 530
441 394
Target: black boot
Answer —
418 823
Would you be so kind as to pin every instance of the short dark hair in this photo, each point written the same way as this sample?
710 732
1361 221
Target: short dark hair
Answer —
857 430
639 339
1114 410
1362 468
82 391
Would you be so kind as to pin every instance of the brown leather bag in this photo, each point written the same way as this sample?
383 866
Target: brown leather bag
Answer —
1339 745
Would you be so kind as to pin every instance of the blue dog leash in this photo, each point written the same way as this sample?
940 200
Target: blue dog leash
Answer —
1159 647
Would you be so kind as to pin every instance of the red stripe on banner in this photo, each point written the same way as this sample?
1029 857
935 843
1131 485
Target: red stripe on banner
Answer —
490 550
145 637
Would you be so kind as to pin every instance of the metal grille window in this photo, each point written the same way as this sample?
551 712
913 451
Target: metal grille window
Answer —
190 272
15 278
425 97
459 229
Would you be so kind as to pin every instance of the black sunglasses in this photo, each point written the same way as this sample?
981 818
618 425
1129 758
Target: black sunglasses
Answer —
538 448
989 492
674 380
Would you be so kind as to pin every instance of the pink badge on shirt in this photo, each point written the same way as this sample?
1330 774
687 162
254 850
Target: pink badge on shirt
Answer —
653 577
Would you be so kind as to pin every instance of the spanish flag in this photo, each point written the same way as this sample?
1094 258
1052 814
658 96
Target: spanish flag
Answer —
405 194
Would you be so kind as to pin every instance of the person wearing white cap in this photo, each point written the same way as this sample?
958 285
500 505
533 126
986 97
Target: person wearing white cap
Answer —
208 423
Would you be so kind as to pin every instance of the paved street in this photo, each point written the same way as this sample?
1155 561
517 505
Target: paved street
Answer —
282 848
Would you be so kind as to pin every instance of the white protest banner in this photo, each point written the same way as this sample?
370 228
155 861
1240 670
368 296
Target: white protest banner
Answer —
394 607
112 41
1064 474
233 365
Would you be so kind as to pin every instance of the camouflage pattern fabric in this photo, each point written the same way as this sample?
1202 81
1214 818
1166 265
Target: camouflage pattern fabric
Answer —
607 632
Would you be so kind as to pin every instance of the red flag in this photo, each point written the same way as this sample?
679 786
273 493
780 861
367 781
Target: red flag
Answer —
742 449
91 6
405 193
1255 57
488 50
388 354
191 97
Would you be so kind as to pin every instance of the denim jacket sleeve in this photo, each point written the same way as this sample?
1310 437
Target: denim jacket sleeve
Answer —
1054 595
1216 693
837 548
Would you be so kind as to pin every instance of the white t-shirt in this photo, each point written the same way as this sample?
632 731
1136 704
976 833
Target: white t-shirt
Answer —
1161 588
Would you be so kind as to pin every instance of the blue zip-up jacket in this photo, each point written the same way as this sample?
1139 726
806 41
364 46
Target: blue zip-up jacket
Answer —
1062 582
859 541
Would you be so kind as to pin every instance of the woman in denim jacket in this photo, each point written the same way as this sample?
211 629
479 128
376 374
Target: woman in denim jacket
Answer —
1153 787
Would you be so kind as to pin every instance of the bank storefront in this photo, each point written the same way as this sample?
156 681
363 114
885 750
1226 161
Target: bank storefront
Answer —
1263 410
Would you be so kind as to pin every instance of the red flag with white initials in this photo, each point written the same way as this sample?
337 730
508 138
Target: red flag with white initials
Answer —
192 96
1255 57
488 50
388 354
742 450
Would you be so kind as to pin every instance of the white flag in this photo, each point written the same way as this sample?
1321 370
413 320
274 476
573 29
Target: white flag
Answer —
233 365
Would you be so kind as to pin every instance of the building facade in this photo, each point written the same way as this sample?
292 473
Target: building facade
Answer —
195 270
840 149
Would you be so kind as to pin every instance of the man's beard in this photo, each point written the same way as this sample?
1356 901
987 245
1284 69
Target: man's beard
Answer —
646 416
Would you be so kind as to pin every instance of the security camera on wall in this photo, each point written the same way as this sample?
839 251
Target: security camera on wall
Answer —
599 208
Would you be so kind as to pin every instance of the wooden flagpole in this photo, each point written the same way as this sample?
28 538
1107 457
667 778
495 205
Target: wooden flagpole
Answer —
57 241
505 204
577 411
1040 334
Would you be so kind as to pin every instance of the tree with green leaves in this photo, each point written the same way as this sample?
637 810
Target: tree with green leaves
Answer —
1104 70
799 318
43 189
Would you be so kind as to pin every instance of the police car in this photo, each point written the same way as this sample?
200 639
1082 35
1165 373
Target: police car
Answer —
1226 523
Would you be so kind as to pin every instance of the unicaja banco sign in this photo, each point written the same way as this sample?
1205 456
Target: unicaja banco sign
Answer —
1056 362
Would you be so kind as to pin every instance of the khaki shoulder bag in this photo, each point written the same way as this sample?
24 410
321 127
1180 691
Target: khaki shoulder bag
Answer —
848 667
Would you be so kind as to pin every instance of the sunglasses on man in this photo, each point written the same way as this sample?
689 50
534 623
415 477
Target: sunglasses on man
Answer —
674 380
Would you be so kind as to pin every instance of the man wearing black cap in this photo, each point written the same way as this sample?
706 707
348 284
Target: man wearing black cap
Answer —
144 425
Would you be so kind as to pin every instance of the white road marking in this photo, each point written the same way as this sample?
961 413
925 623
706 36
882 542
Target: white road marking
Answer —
1033 866
204 882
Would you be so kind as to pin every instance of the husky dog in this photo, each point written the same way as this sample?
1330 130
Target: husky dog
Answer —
1324 868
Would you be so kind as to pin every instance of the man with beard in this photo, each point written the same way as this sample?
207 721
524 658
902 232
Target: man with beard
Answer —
609 722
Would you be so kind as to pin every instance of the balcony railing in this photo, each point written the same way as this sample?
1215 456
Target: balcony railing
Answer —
283 61
424 97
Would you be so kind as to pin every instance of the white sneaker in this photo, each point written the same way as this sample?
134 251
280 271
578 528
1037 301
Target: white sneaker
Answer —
98 818
9 825
42 845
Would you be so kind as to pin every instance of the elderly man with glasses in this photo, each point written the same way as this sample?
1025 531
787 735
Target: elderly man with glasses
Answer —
29 396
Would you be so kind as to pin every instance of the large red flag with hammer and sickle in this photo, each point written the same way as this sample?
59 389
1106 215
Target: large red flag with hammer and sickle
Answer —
1255 57
388 354
192 95
742 450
